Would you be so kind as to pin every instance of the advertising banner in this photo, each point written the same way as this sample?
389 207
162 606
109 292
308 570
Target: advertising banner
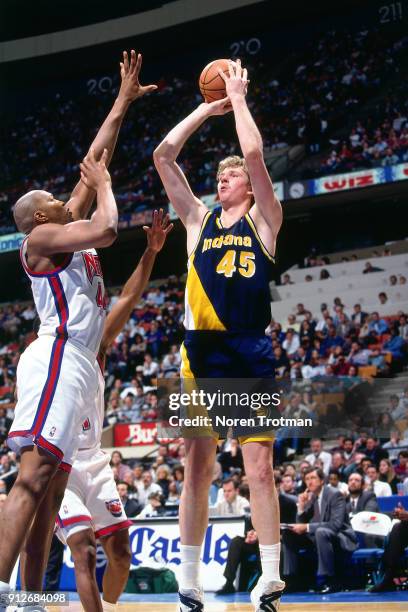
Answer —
156 543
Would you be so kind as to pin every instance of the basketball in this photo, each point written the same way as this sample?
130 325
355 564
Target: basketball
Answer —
212 85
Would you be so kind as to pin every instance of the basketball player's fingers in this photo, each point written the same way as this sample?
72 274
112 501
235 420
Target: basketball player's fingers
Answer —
166 221
92 155
146 228
160 217
148 88
238 70
232 68
84 179
222 74
155 214
245 74
122 69
126 61
168 229
138 64
104 157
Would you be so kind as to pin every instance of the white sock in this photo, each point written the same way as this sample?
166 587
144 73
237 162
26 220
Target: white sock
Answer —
108 607
270 557
4 587
189 567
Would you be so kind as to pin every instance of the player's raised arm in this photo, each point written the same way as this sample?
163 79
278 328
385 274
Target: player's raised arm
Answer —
133 289
100 231
130 89
267 210
188 207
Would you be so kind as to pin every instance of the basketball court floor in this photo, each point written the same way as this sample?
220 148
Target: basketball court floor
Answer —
357 601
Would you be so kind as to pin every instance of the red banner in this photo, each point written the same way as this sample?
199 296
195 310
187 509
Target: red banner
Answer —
135 434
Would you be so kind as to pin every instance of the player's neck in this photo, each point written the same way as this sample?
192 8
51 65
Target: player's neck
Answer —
231 215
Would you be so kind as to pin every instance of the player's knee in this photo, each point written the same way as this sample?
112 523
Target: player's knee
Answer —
84 556
34 486
260 474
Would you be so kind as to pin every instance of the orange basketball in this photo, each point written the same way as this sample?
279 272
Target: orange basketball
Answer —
212 85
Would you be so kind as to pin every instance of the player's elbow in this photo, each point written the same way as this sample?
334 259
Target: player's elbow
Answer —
109 235
164 154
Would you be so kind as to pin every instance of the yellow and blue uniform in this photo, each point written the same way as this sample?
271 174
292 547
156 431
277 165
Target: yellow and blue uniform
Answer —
227 303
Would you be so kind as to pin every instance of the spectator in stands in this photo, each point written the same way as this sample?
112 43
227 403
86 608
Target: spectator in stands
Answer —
383 298
358 317
292 324
370 268
281 361
389 159
288 485
322 524
117 462
393 280
335 482
178 475
308 278
318 453
150 369
385 424
402 280
131 507
387 474
163 479
374 452
394 549
359 499
154 506
287 280
377 326
233 504
402 463
394 444
397 347
5 424
324 274
396 411
174 495
291 343
146 487
403 327
381 489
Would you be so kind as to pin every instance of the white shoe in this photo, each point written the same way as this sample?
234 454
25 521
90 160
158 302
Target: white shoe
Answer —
265 597
192 600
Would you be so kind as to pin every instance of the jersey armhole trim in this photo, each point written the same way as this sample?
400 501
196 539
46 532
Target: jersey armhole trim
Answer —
257 236
203 224
46 273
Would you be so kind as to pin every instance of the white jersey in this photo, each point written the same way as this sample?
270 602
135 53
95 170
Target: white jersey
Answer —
70 299
92 425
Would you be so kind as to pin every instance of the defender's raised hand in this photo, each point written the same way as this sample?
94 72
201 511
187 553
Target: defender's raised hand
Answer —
157 234
94 173
130 88
236 82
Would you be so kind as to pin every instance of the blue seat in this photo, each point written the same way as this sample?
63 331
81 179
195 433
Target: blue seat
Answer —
387 504
367 554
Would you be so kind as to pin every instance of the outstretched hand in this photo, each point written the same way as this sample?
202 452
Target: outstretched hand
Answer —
93 172
158 232
236 82
130 88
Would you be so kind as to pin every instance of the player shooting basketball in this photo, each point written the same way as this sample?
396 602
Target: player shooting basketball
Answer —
91 507
227 311
56 378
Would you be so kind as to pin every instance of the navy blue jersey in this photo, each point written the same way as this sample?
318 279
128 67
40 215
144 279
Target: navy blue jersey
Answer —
228 278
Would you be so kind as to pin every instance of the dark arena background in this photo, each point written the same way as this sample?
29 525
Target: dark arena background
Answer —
329 92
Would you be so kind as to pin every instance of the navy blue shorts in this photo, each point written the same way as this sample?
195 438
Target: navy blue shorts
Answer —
215 354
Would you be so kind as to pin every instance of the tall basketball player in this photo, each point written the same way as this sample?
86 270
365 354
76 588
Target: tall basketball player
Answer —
91 507
56 377
227 311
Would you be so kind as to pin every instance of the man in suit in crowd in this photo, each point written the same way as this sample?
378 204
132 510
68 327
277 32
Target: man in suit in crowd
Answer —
322 525
358 317
360 500
244 551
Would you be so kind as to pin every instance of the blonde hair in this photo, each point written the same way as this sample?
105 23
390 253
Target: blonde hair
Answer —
233 161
